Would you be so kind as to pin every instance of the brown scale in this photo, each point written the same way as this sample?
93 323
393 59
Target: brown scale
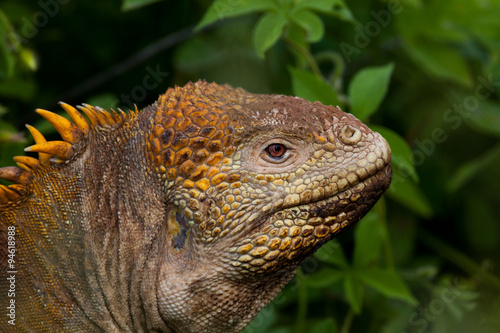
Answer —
187 139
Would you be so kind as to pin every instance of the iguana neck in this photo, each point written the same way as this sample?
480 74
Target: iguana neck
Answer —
117 208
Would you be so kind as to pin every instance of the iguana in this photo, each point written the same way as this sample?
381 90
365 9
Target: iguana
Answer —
188 216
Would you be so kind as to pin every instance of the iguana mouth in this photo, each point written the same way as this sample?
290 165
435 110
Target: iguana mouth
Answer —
293 233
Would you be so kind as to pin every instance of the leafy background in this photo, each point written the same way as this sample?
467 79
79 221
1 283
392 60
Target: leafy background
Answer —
425 74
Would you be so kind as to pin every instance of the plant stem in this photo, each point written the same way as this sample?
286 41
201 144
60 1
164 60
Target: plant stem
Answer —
459 259
346 325
306 54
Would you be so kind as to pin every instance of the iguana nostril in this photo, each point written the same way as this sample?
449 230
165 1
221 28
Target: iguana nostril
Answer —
350 135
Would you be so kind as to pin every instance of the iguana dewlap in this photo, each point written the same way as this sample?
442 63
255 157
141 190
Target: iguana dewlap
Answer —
188 216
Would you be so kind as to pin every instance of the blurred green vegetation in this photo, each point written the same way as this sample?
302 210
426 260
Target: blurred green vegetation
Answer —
425 74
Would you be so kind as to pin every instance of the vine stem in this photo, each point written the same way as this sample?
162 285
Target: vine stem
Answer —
306 54
346 325
142 55
459 259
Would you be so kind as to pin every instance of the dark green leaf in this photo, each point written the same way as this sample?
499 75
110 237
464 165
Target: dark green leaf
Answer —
401 152
406 192
17 88
368 237
354 290
399 319
367 90
7 57
328 325
486 228
388 283
134 4
485 118
440 60
267 32
223 9
332 253
473 168
309 86
324 277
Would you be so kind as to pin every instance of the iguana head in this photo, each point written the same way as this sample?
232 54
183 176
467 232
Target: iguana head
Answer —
188 216
255 184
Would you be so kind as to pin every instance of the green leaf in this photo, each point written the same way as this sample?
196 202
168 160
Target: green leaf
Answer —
354 290
368 236
309 86
7 58
368 88
324 277
335 8
400 150
223 9
267 32
485 119
407 193
134 4
388 283
18 87
440 60
29 59
471 169
326 325
486 226
332 253
310 22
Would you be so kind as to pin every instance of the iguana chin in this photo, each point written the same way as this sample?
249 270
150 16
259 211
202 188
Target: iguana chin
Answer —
188 216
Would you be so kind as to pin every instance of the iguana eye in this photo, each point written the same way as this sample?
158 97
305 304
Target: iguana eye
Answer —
275 153
276 150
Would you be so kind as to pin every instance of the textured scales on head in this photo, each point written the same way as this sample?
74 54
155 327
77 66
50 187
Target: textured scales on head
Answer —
190 215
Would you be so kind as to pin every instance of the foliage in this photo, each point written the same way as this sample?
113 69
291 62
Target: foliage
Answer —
425 74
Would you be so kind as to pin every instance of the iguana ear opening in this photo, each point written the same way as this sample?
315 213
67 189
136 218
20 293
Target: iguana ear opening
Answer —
178 229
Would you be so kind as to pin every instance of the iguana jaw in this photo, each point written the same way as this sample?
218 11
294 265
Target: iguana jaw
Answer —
290 235
200 293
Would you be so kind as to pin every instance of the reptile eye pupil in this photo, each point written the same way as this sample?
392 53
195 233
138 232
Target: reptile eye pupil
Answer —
276 150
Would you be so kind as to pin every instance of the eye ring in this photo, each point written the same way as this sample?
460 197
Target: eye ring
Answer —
276 151
257 155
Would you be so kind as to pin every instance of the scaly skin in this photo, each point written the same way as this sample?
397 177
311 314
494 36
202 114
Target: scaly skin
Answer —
188 216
